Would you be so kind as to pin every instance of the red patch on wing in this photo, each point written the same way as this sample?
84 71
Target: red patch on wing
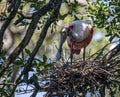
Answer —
76 46
91 31
71 27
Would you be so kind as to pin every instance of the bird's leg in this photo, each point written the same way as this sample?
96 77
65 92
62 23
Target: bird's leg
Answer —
71 53
71 56
84 55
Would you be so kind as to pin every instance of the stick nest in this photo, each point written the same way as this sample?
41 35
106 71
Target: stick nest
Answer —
79 77
96 73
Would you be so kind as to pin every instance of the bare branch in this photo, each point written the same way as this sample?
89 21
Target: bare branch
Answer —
7 22
41 39
36 16
22 17
110 54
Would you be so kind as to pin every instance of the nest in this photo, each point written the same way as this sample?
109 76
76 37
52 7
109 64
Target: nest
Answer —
76 79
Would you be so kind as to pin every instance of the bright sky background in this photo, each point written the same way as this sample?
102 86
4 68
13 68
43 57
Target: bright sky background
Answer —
97 36
40 94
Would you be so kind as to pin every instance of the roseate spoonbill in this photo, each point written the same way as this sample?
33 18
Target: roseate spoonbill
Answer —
78 34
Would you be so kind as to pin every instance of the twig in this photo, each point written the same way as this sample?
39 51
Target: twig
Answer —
7 84
7 22
110 54
51 5
22 17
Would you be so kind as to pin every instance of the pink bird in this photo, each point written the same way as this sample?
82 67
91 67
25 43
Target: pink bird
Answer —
78 34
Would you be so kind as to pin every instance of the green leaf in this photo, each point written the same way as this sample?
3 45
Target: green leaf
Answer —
21 7
27 51
18 62
111 38
90 10
44 59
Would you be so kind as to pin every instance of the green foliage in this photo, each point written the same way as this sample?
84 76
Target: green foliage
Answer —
20 61
112 89
5 85
27 51
33 3
40 66
43 66
105 14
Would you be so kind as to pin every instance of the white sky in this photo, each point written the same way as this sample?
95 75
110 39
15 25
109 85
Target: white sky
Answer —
40 94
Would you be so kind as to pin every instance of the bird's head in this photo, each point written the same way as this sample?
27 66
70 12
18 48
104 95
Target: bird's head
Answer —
63 35
67 30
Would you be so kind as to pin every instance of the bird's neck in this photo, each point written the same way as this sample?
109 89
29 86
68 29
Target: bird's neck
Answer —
91 31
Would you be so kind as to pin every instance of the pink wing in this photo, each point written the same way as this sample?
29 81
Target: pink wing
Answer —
76 46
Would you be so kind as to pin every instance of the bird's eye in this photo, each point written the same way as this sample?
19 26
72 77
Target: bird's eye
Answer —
68 30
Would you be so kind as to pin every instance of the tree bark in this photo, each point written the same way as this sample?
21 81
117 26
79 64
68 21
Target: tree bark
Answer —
36 16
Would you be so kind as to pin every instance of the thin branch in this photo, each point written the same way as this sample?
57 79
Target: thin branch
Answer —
3 18
110 54
7 22
22 17
7 84
41 38
36 16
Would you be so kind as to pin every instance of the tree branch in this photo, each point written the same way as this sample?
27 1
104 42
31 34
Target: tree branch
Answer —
42 36
40 40
22 17
7 22
36 16
110 54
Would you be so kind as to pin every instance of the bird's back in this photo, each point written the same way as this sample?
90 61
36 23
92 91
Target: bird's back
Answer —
82 33
80 30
